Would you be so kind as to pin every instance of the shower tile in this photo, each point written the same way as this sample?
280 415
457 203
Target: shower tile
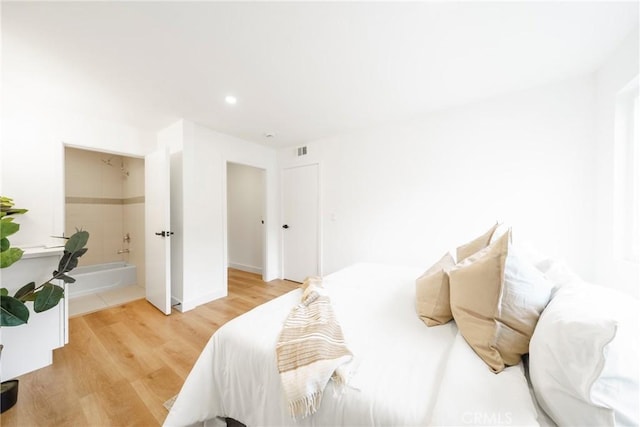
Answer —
73 209
97 210
82 171
75 213
111 181
111 244
134 183
112 216
82 186
92 256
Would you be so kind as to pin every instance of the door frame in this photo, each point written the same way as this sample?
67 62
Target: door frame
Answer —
266 256
319 230
60 220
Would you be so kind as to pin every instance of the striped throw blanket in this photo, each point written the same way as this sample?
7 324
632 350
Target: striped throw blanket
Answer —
310 350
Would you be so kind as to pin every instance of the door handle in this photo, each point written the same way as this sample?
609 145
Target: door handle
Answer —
164 233
285 226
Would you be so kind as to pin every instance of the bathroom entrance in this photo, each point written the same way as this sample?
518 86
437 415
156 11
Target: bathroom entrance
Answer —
104 194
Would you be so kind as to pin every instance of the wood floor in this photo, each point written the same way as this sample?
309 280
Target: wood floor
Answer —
123 363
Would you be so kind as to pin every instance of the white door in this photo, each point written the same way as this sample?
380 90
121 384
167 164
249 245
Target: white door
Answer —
157 231
300 227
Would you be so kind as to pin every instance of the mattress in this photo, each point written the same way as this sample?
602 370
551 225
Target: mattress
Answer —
403 372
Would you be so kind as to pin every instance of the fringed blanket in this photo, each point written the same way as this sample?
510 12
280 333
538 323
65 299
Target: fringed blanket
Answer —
310 350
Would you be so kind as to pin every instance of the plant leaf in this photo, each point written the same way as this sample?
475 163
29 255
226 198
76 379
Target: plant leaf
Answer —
65 278
25 290
6 207
67 263
81 252
12 311
73 249
4 244
77 241
29 297
16 211
47 297
7 228
10 256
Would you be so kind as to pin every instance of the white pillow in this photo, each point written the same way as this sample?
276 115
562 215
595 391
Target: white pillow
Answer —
558 272
583 357
525 248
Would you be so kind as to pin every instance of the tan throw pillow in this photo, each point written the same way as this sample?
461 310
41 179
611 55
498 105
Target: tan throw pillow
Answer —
432 293
477 244
496 299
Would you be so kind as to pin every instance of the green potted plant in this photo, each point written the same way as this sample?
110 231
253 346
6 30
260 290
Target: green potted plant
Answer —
13 309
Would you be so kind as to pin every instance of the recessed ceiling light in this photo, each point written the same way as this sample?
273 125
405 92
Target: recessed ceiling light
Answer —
230 99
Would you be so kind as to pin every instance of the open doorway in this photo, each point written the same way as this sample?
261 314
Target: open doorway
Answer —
246 188
104 194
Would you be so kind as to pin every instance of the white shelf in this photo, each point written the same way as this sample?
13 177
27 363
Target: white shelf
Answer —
42 251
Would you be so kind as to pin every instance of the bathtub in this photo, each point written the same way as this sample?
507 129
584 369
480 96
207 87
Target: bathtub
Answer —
100 277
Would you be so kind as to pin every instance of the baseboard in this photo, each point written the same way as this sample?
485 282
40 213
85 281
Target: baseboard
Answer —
247 268
185 306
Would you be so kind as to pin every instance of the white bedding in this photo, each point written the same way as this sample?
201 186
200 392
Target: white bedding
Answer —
404 373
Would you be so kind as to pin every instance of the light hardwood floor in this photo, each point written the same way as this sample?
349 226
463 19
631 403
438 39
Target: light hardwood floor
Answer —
123 363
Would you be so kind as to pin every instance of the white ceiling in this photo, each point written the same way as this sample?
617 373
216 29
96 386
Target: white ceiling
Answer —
300 70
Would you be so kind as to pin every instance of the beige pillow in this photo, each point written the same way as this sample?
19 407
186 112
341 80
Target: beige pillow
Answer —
432 293
477 244
496 299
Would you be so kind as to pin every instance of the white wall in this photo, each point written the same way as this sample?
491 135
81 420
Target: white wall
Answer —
40 114
406 193
245 211
618 70
204 261
32 162
199 197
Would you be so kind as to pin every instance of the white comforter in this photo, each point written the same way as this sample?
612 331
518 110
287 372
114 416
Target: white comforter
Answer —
403 372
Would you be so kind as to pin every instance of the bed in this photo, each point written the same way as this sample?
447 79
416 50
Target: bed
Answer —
403 372
582 357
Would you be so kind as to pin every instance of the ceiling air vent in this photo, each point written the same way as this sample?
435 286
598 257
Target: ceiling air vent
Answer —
302 151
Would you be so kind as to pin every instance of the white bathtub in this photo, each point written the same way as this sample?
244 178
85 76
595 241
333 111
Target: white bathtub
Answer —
101 277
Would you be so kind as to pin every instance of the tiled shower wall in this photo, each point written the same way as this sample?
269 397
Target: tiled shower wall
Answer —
105 196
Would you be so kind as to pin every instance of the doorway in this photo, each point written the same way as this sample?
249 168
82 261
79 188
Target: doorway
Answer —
246 198
104 195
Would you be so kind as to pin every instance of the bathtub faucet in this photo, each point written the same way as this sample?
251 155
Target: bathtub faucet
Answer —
123 251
